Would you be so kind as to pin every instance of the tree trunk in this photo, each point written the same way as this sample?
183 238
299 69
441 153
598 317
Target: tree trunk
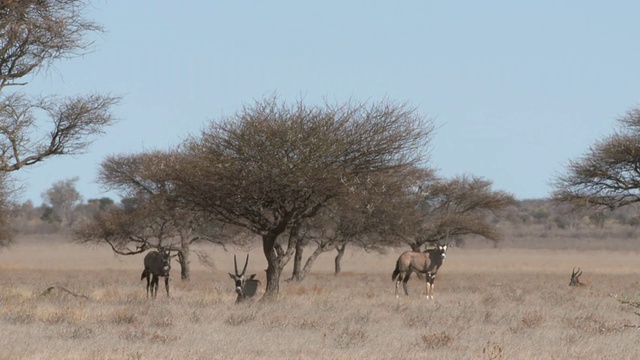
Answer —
309 263
338 258
297 261
273 267
185 264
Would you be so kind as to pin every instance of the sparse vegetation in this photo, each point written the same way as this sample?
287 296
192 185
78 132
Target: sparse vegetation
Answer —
480 313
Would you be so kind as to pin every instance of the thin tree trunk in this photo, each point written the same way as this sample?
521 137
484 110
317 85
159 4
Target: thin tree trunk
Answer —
297 260
309 263
338 259
273 267
185 263
276 257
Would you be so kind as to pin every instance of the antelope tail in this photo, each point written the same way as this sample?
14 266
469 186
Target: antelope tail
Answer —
395 272
144 274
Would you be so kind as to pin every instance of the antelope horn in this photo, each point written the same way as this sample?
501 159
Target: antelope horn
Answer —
235 264
245 265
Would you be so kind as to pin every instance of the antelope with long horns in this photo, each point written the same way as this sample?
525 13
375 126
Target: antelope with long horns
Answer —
575 278
156 264
246 288
427 263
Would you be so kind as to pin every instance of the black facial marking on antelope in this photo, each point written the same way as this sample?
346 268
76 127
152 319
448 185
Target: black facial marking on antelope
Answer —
246 288
575 278
427 262
156 264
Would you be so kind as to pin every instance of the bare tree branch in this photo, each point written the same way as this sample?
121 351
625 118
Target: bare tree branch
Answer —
33 35
608 175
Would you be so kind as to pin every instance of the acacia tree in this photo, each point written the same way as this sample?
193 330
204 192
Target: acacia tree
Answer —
450 208
150 218
607 176
369 218
416 208
273 164
33 35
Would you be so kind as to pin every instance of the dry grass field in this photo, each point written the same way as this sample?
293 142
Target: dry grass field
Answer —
489 304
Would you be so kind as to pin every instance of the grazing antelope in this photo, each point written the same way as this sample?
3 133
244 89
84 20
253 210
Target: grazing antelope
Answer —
427 262
156 264
575 278
246 288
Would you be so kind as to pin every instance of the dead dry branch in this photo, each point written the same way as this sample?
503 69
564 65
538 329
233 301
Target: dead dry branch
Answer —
63 289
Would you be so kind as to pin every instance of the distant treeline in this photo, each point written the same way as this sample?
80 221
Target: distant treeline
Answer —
537 223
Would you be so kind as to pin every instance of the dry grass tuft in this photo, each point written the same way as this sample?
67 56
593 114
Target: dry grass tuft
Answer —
436 340
126 317
492 351
25 314
350 337
241 318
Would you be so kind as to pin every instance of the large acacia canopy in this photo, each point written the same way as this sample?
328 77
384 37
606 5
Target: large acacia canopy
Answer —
273 164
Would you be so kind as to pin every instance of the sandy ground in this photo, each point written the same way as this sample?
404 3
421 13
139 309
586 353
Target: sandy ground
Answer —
54 253
489 304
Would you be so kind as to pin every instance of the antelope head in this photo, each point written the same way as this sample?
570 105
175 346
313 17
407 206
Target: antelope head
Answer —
440 248
165 260
575 278
240 279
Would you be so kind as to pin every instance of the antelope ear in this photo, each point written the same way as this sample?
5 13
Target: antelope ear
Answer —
252 276
232 276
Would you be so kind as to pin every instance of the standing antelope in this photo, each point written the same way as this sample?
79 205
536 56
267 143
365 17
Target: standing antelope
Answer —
575 278
427 262
246 288
156 264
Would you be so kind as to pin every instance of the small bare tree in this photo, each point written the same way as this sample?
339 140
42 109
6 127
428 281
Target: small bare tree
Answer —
607 176
33 35
150 218
369 217
455 207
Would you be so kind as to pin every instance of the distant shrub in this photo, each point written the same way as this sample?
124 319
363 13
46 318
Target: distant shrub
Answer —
437 340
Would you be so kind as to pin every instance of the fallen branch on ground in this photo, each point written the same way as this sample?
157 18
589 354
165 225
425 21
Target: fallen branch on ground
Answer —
631 326
62 288
635 304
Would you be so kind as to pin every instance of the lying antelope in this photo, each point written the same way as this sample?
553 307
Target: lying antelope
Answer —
246 288
156 264
427 262
575 278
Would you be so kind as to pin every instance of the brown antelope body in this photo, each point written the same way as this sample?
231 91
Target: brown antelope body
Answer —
427 263
246 287
156 264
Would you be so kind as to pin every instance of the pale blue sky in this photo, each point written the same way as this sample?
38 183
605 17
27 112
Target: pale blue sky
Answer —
515 88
